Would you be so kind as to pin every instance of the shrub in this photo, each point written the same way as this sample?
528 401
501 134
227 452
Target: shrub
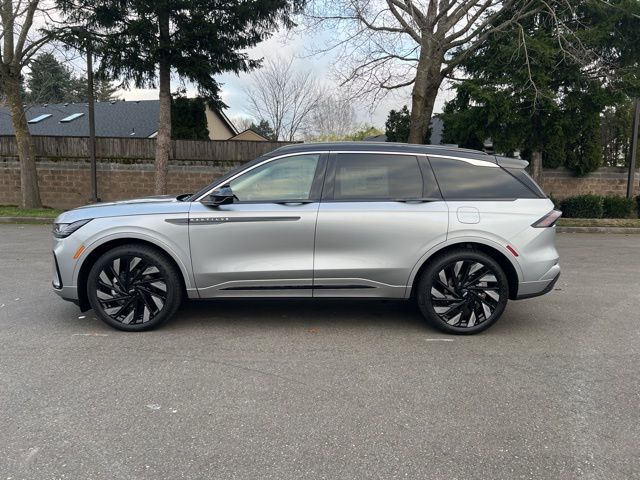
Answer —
638 205
617 207
583 206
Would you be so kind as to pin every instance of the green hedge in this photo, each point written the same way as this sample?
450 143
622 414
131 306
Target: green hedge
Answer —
596 206
583 206
617 207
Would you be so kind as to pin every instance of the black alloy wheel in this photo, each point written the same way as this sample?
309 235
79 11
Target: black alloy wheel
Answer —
463 292
134 287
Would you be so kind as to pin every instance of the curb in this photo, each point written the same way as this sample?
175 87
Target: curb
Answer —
619 230
36 220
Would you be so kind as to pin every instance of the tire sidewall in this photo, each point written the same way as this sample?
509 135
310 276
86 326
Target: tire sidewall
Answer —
152 256
429 275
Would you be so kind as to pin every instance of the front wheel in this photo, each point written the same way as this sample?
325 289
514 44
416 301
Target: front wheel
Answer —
463 292
134 288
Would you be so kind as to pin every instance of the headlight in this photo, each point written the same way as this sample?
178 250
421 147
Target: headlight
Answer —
63 230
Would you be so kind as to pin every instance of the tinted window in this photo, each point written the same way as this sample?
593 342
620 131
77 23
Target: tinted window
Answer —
524 177
376 176
288 178
460 180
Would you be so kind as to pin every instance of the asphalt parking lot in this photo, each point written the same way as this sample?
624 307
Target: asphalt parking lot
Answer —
324 389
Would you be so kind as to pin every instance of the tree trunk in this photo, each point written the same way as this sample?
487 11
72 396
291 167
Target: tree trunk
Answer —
30 194
423 95
536 166
163 140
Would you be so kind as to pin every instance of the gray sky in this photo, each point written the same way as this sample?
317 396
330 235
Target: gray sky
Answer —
294 44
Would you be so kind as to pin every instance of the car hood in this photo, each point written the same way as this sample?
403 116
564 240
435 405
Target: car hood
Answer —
153 205
133 201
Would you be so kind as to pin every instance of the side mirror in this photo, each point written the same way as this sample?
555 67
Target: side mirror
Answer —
220 196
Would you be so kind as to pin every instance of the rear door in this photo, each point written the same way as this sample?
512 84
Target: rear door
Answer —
379 214
262 244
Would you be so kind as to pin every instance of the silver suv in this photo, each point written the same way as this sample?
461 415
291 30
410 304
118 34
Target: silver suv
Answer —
458 231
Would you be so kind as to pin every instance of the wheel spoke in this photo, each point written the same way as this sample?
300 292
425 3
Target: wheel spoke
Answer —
138 270
149 303
124 308
476 276
452 308
464 272
113 299
153 290
138 315
450 270
447 288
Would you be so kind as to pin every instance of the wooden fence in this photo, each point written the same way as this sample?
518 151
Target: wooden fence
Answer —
142 148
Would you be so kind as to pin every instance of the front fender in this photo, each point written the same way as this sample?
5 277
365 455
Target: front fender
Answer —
170 238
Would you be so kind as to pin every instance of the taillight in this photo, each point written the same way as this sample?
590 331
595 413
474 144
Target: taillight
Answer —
549 220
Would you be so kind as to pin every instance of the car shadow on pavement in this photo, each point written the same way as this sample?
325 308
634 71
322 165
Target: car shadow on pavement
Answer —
260 314
270 313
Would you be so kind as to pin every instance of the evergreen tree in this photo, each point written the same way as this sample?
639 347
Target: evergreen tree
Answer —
398 125
264 128
104 90
548 105
189 119
49 81
143 41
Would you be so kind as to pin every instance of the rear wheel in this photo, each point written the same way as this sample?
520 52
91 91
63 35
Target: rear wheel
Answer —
134 288
463 292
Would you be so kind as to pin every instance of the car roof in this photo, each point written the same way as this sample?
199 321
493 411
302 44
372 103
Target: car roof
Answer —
390 147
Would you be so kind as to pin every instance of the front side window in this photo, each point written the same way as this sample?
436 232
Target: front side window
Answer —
289 178
367 176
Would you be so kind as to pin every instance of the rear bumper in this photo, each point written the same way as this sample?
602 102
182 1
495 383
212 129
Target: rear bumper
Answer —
539 287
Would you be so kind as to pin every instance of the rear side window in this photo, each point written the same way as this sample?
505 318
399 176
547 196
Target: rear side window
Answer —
460 180
365 176
524 177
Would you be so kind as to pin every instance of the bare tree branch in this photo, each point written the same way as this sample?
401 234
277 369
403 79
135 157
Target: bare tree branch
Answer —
284 97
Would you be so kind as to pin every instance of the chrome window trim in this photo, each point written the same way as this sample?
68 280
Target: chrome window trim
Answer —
478 163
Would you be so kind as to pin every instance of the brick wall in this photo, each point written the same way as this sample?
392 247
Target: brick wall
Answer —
561 183
65 183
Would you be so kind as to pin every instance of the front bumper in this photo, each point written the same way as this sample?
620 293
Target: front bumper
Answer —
65 291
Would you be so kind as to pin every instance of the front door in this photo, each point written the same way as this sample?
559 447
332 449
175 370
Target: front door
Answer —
262 244
379 215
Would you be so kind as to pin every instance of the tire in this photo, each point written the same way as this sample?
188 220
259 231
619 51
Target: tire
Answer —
134 288
463 292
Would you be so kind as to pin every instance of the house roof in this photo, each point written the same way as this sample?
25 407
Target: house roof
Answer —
226 120
250 134
136 119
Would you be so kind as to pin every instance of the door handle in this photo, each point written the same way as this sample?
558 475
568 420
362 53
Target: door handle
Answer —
294 203
417 200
